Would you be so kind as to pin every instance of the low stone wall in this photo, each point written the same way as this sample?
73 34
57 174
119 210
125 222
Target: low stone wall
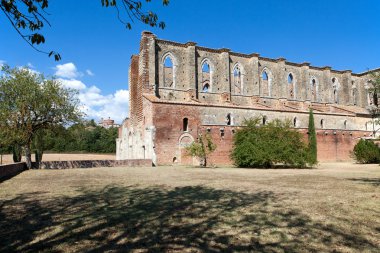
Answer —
11 170
96 163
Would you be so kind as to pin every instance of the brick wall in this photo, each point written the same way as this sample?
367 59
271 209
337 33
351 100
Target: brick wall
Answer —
333 144
11 170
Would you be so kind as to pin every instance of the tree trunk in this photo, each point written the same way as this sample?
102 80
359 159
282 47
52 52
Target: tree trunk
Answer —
38 157
28 156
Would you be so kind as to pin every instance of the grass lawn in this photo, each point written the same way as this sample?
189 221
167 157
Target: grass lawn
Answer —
335 208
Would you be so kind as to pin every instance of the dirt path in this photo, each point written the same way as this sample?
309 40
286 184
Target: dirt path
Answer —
65 157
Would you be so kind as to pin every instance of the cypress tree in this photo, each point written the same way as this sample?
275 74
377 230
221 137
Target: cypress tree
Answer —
312 139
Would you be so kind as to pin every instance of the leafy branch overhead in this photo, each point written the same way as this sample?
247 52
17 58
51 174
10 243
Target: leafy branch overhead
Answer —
28 18
134 10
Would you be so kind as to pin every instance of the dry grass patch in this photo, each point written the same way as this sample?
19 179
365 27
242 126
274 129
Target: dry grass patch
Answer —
331 209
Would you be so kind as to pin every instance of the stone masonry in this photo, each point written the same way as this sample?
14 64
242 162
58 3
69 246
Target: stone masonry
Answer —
178 91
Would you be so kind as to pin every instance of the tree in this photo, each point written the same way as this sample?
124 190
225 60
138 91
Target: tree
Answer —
265 146
374 109
30 103
28 17
366 151
312 138
202 148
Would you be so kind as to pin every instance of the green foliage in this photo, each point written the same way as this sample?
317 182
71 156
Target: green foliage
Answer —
365 151
30 103
81 137
263 146
312 138
16 152
202 148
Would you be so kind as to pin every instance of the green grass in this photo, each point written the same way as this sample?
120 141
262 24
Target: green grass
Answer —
331 209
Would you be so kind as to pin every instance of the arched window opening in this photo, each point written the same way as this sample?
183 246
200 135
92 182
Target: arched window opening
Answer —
345 125
290 78
371 97
168 72
185 125
238 80
295 122
354 96
335 90
264 120
229 119
322 123
265 76
291 86
206 76
335 96
206 87
313 90
265 84
222 132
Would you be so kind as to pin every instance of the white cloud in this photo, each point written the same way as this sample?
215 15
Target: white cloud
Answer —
72 84
97 105
89 72
93 101
67 70
2 63
30 65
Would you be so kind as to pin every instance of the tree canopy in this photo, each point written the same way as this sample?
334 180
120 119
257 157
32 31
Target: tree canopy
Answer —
265 146
28 17
30 103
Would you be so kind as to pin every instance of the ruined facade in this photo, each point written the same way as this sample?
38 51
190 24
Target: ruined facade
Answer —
180 90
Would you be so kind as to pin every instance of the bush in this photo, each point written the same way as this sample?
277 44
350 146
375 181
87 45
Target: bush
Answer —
268 145
365 151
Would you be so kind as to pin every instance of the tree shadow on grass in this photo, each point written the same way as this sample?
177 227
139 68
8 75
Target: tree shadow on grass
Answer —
371 181
194 219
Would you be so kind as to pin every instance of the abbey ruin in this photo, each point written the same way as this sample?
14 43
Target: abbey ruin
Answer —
180 90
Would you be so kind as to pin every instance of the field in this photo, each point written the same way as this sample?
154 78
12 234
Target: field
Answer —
335 208
7 159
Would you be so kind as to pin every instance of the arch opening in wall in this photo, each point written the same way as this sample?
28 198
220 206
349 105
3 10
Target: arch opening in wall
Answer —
264 76
335 89
372 97
206 87
229 120
206 80
322 123
345 125
169 71
264 120
354 96
295 122
314 90
237 80
185 124
291 88
266 83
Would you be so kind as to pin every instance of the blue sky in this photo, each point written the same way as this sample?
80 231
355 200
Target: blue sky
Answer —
96 48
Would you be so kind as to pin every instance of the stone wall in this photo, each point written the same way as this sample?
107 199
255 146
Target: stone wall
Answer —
11 170
237 89
333 86
96 163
